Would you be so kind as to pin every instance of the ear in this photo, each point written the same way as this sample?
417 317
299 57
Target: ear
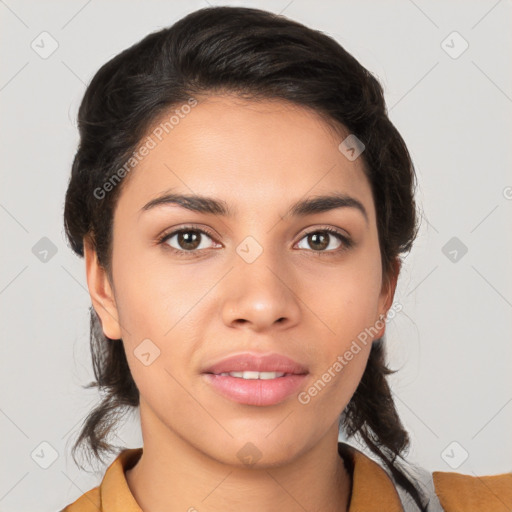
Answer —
101 292
387 294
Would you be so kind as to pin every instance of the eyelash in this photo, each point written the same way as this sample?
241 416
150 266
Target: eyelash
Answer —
347 243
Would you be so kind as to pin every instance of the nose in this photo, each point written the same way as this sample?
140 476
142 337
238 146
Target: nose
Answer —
260 296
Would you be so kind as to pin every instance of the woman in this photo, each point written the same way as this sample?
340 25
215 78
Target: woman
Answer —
242 202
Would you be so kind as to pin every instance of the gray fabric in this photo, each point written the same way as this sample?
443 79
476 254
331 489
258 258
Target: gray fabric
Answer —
425 482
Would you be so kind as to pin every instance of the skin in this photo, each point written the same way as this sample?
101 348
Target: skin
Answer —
259 158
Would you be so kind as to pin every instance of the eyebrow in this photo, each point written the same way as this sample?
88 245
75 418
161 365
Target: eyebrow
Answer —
210 205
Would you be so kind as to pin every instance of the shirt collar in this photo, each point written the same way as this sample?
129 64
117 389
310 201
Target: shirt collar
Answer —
369 483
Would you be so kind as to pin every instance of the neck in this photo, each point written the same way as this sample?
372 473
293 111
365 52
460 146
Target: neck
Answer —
172 475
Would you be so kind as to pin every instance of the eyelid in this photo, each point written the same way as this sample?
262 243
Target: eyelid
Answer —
325 227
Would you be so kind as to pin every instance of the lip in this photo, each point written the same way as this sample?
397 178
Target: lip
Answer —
256 391
255 362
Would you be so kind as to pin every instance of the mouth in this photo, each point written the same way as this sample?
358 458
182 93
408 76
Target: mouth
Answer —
255 379
252 375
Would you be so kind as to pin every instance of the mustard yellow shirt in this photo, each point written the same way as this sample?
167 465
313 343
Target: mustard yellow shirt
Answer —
371 489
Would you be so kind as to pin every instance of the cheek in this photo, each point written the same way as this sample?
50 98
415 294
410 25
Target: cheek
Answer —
152 296
348 300
157 307
333 383
347 303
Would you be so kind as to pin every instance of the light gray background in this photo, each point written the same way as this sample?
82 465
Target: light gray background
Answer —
452 341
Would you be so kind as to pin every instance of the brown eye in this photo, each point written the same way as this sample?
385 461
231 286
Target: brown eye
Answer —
326 240
319 241
187 240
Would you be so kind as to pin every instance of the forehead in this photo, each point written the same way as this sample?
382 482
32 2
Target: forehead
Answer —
246 152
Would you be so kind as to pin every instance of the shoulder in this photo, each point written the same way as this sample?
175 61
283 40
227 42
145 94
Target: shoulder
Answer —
113 489
88 502
446 491
459 492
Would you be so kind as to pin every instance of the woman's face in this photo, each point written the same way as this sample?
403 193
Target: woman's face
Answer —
261 279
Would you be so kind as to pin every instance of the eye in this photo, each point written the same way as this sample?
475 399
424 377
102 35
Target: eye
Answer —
190 240
187 240
327 240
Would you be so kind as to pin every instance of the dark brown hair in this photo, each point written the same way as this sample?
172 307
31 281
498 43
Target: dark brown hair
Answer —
256 55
